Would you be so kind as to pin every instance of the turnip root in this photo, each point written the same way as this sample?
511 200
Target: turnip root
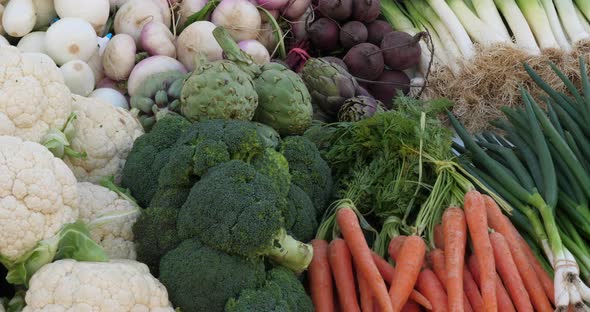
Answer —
19 17
387 86
267 37
353 33
110 96
272 4
401 50
339 10
95 63
239 17
69 39
377 30
366 11
78 76
32 42
95 12
119 57
295 9
150 66
324 34
45 12
3 41
256 50
195 39
157 39
364 61
134 14
188 8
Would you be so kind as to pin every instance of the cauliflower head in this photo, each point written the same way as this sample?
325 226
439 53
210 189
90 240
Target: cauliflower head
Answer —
33 95
38 196
106 134
118 285
115 236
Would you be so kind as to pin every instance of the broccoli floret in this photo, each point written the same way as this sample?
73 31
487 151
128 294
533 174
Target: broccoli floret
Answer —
199 278
209 153
304 222
236 209
309 170
148 155
274 165
281 292
178 171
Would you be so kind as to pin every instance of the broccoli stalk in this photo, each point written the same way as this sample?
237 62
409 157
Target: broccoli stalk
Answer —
290 252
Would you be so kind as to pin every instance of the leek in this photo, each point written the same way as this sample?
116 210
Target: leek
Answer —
583 20
488 12
584 6
570 21
523 34
539 22
476 29
454 26
555 25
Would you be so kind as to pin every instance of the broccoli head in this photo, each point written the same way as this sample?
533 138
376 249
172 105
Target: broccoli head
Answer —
308 170
303 222
281 292
236 209
200 278
273 164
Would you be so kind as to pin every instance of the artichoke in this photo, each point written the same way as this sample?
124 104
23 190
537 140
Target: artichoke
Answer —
283 100
157 97
221 89
329 84
359 107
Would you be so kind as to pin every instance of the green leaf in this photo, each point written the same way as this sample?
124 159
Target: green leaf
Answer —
75 243
201 15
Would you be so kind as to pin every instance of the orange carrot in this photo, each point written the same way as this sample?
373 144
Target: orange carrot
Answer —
528 275
439 239
355 239
504 301
341 264
509 273
367 303
320 277
408 264
543 276
437 263
477 223
410 306
395 246
472 292
432 288
455 236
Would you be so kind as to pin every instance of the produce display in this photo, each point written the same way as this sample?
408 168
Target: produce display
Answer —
294 155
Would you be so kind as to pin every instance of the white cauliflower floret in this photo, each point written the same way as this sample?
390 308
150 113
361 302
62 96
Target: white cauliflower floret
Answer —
106 134
33 95
38 196
116 236
118 285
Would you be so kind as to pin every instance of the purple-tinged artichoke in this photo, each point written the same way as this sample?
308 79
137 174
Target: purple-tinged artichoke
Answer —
360 107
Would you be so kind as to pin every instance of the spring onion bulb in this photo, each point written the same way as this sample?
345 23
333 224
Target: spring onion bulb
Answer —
454 26
523 34
555 24
572 25
488 12
477 30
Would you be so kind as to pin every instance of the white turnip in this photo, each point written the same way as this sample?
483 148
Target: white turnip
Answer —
111 96
78 76
95 63
339 10
401 50
19 17
272 4
353 33
32 42
256 50
295 9
364 61
165 11
239 17
118 58
3 41
134 14
197 38
188 8
324 34
150 66
157 39
69 39
377 30
95 12
300 26
45 13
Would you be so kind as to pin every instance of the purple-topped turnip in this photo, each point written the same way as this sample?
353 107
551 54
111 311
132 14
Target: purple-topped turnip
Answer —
324 34
295 9
353 33
339 10
272 4
364 61
377 30
366 11
401 50
386 87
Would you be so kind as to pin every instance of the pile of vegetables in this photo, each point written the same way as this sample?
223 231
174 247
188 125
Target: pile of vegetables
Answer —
536 160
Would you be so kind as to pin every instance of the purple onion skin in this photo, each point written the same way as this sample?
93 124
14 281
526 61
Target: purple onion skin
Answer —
324 34
386 93
353 33
366 11
400 50
339 10
377 30
364 61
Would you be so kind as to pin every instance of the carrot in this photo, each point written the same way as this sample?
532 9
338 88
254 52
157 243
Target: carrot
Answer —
353 234
509 273
387 271
531 281
341 264
543 276
408 263
395 246
472 292
320 277
439 240
455 237
367 303
437 263
504 301
432 288
410 306
477 223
